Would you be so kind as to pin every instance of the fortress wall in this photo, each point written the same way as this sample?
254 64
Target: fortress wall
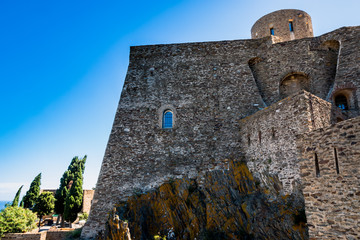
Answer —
305 56
209 87
348 74
87 199
332 198
268 138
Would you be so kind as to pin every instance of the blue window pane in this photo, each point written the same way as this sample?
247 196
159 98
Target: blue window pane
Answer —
341 102
167 120
291 27
272 31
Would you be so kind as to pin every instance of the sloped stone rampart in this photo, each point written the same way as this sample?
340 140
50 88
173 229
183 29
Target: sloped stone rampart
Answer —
330 172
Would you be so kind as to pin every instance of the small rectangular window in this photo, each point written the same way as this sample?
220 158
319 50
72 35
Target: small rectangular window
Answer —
317 168
272 31
291 26
260 137
336 161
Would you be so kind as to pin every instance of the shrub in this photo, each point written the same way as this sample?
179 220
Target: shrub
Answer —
83 216
44 204
16 220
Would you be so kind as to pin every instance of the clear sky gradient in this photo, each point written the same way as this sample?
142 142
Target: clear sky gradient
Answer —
63 63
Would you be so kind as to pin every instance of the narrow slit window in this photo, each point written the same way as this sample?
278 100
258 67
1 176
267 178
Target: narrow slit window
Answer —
291 26
336 161
260 137
273 133
317 168
272 31
248 138
167 119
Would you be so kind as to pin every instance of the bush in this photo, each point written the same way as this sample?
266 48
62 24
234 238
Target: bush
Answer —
16 220
83 216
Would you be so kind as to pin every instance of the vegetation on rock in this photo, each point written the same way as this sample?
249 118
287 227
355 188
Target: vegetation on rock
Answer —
16 220
228 205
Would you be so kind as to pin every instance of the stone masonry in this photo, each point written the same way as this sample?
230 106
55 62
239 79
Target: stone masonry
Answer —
222 95
279 21
330 172
268 140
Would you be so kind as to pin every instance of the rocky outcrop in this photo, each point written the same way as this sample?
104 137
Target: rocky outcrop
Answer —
220 204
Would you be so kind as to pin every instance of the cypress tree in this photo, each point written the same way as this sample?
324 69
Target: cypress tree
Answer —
74 200
15 202
76 166
61 193
34 191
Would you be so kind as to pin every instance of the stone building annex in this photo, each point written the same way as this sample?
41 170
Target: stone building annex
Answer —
284 101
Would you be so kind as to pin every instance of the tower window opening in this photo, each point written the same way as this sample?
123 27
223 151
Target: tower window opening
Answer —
248 138
341 102
317 168
336 161
167 119
291 26
272 31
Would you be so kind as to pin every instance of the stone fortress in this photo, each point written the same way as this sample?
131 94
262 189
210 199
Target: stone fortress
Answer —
284 100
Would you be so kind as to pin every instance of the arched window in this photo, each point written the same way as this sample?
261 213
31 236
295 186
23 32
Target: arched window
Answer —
293 83
167 121
341 102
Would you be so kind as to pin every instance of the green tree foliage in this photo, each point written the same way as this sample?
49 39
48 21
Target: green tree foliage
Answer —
31 195
62 192
44 204
16 220
74 200
76 165
15 202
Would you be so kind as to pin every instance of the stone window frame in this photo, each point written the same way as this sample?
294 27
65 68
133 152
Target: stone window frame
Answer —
291 25
293 73
164 108
349 93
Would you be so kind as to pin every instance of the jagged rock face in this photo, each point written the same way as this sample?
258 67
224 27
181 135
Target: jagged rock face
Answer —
222 204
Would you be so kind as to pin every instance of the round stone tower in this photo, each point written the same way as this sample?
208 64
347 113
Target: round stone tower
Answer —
284 25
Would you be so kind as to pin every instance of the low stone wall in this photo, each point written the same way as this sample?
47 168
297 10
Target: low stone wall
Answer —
330 172
27 236
57 235
46 235
87 200
269 141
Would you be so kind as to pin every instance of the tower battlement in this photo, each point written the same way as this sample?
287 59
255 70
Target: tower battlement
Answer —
285 25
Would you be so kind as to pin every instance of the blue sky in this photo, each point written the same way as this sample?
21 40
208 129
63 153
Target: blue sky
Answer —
62 66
